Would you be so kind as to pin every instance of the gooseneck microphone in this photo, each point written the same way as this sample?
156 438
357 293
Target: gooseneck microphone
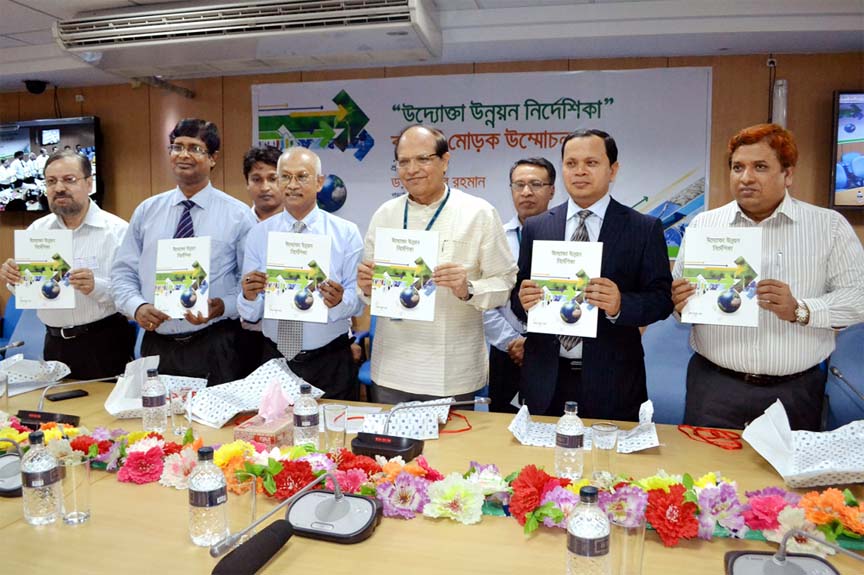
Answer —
780 563
839 375
58 385
12 345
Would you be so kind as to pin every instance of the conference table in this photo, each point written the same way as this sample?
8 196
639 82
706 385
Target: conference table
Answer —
144 528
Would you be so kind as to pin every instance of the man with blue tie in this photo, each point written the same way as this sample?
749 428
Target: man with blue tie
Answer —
320 353
604 375
195 346
532 185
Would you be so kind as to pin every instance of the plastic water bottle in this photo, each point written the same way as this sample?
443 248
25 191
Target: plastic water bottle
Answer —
860 197
569 436
154 401
306 417
588 537
208 495
40 483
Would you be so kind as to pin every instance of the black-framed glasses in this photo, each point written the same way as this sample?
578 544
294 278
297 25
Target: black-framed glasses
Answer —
194 149
533 185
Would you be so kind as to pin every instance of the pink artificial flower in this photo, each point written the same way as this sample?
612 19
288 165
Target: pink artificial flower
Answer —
431 474
142 467
349 481
763 512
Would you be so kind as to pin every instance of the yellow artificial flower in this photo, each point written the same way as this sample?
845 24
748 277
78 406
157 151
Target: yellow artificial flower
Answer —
10 433
707 480
575 487
229 451
660 481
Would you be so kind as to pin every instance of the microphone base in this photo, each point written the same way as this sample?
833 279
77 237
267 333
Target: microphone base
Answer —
388 446
318 515
33 419
762 563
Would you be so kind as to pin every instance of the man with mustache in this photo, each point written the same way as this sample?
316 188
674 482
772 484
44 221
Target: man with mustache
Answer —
194 346
93 339
812 286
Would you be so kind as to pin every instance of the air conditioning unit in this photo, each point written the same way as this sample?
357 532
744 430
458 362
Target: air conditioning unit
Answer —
184 40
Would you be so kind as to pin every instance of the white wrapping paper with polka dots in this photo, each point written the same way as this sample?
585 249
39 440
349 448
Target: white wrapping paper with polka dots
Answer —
124 401
420 422
29 374
808 458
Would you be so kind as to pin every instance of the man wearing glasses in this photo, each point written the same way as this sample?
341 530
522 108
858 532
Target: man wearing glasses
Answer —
320 353
195 346
532 185
92 339
417 360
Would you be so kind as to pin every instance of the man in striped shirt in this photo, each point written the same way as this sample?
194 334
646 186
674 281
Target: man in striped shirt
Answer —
813 265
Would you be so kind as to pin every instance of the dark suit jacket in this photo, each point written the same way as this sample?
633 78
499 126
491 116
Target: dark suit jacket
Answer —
613 372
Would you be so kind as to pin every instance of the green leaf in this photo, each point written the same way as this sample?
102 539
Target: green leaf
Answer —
189 437
270 484
849 498
690 497
493 509
368 490
468 473
549 509
687 480
274 467
93 451
510 478
531 523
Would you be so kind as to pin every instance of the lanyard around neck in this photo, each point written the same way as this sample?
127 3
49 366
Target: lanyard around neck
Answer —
434 216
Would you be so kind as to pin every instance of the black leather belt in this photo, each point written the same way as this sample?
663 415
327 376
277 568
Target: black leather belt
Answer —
762 380
71 332
339 343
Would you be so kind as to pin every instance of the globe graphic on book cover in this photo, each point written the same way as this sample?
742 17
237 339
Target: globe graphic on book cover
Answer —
409 297
188 298
729 301
571 311
303 299
50 289
333 194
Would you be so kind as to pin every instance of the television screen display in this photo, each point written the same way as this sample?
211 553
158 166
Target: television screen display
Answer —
848 174
26 146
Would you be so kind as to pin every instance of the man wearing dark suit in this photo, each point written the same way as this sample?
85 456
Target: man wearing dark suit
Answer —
604 375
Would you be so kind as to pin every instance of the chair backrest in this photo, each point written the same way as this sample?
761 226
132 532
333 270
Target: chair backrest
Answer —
11 315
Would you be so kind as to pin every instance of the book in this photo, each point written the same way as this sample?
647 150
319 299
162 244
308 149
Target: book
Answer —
44 259
182 267
296 265
563 270
402 286
723 264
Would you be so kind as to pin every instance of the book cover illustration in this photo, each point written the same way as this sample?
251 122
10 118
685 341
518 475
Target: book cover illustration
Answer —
296 265
402 286
43 258
181 276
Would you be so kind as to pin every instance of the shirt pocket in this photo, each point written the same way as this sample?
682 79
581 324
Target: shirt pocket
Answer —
460 252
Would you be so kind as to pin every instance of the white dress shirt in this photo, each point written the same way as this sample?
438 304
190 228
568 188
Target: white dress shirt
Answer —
817 253
94 244
447 356
500 325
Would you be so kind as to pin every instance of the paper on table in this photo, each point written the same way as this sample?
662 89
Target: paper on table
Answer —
808 458
356 418
418 423
643 436
124 401
29 374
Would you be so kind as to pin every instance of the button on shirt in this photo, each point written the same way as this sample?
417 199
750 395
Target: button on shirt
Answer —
501 325
346 251
94 244
223 219
816 252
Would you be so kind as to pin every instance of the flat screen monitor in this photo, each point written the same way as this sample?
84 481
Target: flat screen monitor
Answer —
24 149
847 176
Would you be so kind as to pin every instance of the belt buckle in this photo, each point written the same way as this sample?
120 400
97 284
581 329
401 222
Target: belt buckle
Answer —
63 332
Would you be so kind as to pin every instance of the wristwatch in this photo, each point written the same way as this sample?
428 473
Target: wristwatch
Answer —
470 292
802 313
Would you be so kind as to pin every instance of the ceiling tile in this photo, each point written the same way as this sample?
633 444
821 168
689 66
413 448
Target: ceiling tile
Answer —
68 8
17 17
7 42
34 38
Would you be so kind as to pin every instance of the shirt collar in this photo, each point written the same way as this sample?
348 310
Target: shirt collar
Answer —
598 208
512 224
788 208
434 204
309 219
202 198
95 218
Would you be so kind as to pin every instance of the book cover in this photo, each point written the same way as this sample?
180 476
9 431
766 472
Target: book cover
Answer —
402 286
44 259
182 266
296 265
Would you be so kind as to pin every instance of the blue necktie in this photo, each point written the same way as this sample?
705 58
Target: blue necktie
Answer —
184 226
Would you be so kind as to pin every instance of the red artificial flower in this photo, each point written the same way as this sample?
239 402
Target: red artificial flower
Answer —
763 512
361 462
105 446
142 467
295 475
671 516
82 443
171 448
15 424
528 489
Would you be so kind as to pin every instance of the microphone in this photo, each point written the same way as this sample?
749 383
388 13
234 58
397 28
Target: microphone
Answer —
839 375
780 563
33 419
390 446
14 344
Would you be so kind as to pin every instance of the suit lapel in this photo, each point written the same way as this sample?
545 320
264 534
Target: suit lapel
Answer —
611 231
558 222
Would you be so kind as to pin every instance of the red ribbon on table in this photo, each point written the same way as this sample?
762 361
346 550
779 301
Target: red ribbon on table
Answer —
722 438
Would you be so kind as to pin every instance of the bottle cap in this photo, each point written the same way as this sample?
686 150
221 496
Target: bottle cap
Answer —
305 388
205 454
588 494
152 373
570 407
36 438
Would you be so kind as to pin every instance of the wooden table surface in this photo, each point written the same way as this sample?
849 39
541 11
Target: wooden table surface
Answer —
143 528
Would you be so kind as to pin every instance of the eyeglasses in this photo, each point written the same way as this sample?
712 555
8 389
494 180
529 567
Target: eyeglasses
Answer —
422 161
534 185
67 181
194 150
302 179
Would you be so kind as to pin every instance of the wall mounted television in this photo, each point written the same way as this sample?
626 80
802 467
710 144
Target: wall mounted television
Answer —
22 181
847 175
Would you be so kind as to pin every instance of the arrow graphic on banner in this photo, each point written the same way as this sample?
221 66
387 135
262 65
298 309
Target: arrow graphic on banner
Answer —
642 201
342 128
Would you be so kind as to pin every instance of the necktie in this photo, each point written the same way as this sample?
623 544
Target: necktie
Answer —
184 226
580 234
289 334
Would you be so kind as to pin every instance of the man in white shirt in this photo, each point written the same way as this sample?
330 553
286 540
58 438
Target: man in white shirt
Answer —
813 270
93 339
532 185
39 163
446 357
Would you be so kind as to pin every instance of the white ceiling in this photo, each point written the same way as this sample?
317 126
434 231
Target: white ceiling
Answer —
505 30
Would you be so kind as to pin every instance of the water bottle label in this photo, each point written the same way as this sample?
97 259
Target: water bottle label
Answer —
306 420
587 547
40 478
568 441
153 401
208 498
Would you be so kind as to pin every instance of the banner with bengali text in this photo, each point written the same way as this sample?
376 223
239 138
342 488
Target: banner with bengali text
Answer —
660 119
